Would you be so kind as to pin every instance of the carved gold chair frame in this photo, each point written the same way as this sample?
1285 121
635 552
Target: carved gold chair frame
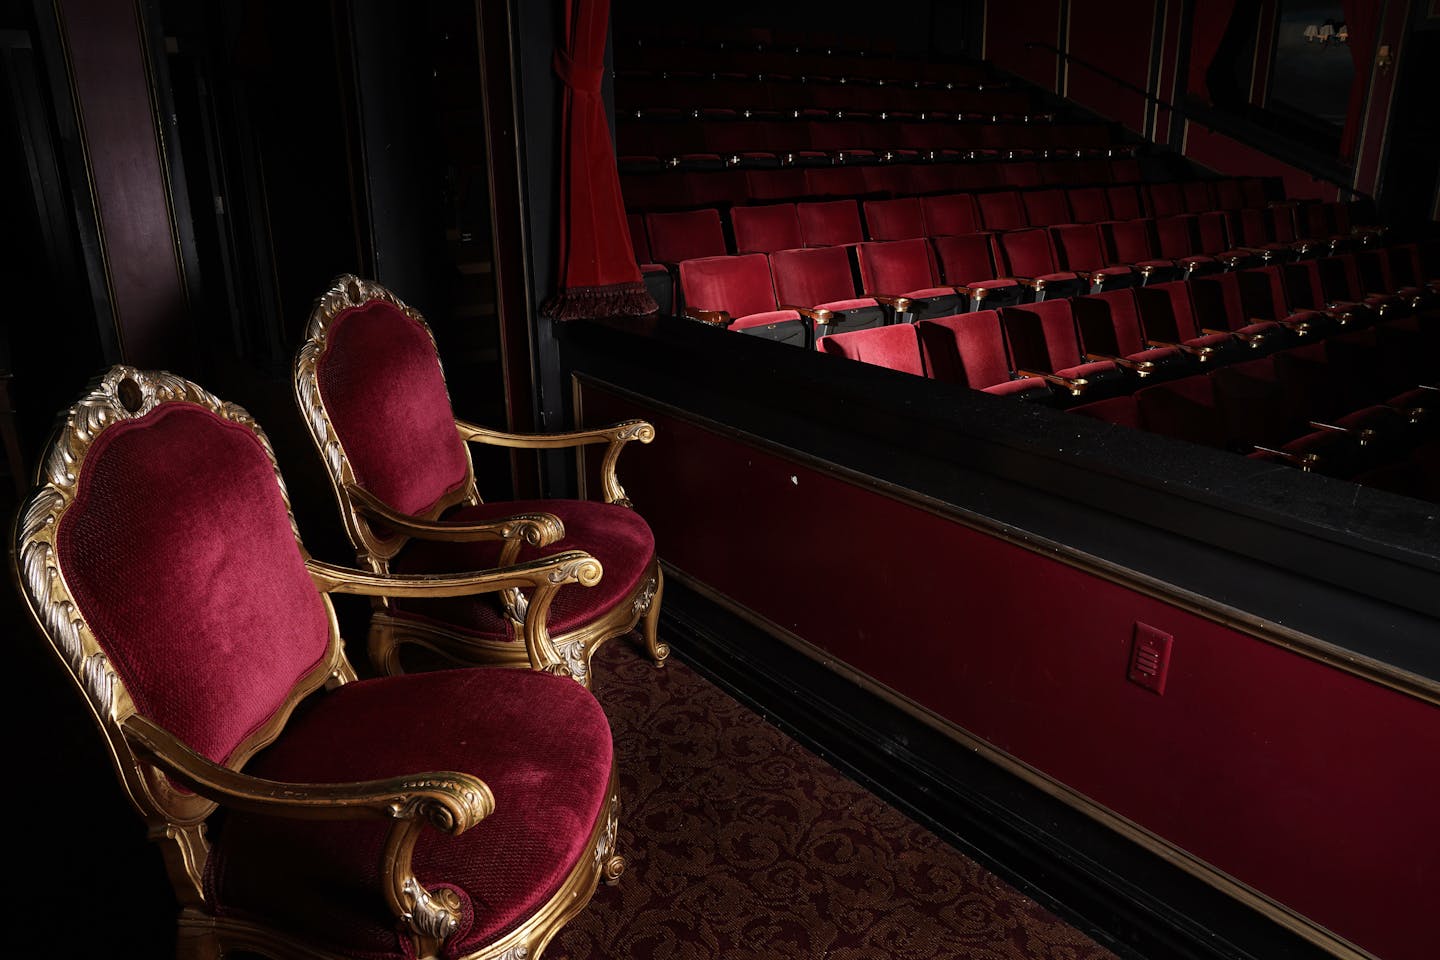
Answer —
150 761
360 510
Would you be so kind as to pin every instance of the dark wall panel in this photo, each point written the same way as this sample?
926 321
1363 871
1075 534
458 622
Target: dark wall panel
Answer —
1303 781
1115 35
1009 26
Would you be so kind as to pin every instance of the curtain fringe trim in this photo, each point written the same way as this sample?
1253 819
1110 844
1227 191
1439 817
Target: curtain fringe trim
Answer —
591 303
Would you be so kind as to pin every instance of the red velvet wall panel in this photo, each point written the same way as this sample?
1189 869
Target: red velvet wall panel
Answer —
1114 34
1308 783
1009 26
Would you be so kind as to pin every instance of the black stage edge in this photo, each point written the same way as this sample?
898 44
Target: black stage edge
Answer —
1127 898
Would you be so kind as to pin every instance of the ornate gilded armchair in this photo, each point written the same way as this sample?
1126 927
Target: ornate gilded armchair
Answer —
460 813
370 386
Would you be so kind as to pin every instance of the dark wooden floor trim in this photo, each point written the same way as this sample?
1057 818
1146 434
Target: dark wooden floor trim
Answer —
1124 896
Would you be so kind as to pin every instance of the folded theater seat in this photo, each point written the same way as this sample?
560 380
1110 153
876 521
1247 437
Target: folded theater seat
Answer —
1167 316
1043 345
1029 256
900 219
737 293
766 228
970 349
902 274
951 214
829 223
1108 325
819 284
894 347
1134 242
968 263
1082 250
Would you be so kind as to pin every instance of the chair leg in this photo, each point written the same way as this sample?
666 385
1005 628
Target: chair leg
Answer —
651 624
384 650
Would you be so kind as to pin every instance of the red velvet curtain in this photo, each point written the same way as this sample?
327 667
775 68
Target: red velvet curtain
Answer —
1362 20
1206 31
598 274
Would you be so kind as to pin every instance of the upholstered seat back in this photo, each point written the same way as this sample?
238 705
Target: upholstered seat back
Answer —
384 391
808 277
896 267
179 552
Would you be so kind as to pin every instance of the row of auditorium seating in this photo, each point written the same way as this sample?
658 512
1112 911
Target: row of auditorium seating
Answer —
697 187
975 266
669 138
647 90
812 60
807 296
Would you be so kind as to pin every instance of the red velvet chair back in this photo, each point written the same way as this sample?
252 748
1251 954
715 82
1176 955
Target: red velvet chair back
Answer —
1001 210
896 267
1088 205
1177 236
1253 230
1130 241
895 347
1218 303
1165 199
685 235
1228 195
1124 202
1214 231
1109 323
951 214
1027 253
379 378
1166 312
831 223
1253 190
766 229
1184 409
738 285
173 538
968 349
1262 292
894 219
834 182
1042 336
807 278
1079 246
1198 196
964 259
1046 207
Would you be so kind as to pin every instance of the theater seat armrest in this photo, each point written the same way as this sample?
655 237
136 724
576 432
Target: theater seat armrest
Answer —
1361 435
716 318
1030 283
1305 461
898 304
1198 351
816 314
616 435
1142 367
1302 328
1253 339
1074 386
536 529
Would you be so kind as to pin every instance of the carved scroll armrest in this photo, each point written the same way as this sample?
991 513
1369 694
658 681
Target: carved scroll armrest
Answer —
716 318
546 576
898 304
816 314
1075 386
616 435
447 801
536 529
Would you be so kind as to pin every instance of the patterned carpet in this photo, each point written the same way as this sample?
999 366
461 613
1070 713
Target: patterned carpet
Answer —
743 844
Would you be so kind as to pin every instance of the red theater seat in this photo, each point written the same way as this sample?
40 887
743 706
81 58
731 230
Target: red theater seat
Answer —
819 283
765 229
685 235
894 219
1001 210
950 215
1045 207
1089 204
1125 202
894 347
1081 249
1164 199
1029 256
968 262
903 274
1167 316
1109 328
830 223
1183 409
737 293
1043 343
970 349
1220 306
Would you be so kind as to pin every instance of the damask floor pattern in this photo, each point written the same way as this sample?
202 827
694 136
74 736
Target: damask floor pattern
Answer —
742 844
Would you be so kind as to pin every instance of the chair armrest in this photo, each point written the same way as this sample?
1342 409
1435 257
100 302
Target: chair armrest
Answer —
1252 339
716 318
1305 461
1074 386
1198 351
546 576
1030 282
817 314
1142 367
898 304
1362 435
536 529
616 435
447 801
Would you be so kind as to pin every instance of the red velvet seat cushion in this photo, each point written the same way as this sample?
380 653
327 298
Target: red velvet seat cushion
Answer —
540 742
385 393
842 306
763 319
616 536
178 549
895 347
1026 387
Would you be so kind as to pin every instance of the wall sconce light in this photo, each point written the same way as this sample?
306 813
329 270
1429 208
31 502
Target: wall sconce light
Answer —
1383 58
1327 33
